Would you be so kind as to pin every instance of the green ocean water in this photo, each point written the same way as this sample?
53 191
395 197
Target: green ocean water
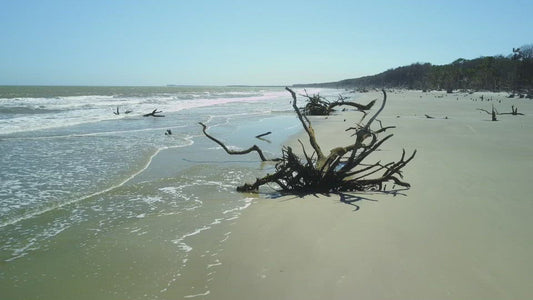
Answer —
99 205
125 91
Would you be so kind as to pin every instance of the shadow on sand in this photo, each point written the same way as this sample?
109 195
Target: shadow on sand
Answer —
344 197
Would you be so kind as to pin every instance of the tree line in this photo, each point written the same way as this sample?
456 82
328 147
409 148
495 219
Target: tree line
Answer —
513 73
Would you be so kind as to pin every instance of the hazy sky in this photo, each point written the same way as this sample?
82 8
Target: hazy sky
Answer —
245 42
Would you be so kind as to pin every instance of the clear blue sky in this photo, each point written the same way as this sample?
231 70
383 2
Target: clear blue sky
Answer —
245 42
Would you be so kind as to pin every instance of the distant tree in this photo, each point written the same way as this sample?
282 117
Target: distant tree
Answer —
525 52
517 54
523 66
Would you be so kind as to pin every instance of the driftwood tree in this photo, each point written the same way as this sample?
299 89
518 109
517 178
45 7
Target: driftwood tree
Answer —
494 112
514 112
319 106
342 170
154 113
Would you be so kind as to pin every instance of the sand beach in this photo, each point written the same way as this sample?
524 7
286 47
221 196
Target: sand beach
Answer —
119 122
462 231
168 222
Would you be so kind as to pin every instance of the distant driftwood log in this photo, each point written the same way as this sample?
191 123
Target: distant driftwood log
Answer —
319 106
154 113
494 112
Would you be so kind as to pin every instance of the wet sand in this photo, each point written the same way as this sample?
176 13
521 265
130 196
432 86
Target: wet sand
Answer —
463 231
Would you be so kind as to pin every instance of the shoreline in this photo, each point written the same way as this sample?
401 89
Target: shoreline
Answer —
462 231
144 236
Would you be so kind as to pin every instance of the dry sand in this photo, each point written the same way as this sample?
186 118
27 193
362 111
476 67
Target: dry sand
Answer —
463 231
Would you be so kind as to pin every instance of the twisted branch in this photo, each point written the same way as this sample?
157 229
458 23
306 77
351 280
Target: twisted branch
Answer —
235 152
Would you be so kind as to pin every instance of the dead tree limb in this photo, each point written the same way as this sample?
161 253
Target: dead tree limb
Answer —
236 152
493 113
263 134
307 127
359 107
514 112
484 110
154 113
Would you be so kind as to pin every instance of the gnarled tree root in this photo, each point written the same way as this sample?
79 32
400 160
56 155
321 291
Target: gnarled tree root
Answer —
340 171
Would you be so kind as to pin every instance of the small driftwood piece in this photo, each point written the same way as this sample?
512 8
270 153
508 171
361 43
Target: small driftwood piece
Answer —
343 169
154 113
514 112
431 117
117 111
263 134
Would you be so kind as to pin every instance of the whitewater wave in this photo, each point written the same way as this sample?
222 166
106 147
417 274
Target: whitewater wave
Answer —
30 114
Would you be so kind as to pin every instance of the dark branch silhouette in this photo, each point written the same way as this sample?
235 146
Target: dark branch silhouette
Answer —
319 106
234 152
494 112
154 113
514 112
263 134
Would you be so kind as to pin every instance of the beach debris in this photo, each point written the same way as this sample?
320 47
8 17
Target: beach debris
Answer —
494 112
154 113
263 134
431 117
236 152
344 169
319 106
514 112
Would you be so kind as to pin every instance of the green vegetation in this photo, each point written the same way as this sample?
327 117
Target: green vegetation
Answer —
491 73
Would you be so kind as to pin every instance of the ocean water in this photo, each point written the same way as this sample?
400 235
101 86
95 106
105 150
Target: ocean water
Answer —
100 205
